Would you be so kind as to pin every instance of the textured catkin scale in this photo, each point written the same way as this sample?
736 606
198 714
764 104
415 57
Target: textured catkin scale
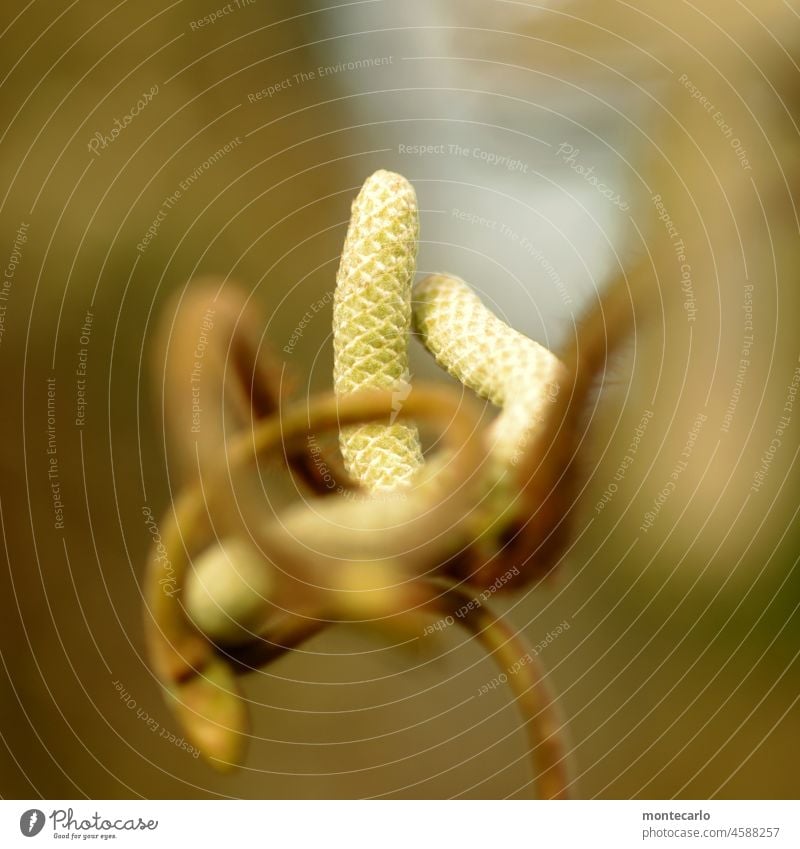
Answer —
371 324
495 361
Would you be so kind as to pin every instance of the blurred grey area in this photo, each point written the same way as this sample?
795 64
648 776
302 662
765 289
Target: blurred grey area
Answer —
536 136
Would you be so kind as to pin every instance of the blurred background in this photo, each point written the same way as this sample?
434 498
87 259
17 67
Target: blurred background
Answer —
551 145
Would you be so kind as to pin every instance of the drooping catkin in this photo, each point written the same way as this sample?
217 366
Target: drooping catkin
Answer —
494 360
371 325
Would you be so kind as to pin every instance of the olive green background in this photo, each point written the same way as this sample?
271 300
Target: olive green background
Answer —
678 675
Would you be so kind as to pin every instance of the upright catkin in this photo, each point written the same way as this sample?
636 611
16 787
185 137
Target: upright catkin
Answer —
371 325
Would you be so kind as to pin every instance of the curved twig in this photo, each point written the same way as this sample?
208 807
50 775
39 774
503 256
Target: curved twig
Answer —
200 683
527 679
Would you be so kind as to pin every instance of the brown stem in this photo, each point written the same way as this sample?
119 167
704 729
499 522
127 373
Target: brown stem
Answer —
526 677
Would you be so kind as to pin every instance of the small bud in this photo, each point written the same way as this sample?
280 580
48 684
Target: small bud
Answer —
227 592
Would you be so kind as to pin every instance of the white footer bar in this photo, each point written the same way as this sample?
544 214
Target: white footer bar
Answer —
390 824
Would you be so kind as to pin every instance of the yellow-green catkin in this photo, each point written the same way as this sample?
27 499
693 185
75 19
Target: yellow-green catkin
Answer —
494 360
371 325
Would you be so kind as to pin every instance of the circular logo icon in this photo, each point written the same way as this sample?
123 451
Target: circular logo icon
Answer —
31 822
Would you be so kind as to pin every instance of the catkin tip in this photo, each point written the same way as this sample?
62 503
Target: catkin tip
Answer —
390 179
